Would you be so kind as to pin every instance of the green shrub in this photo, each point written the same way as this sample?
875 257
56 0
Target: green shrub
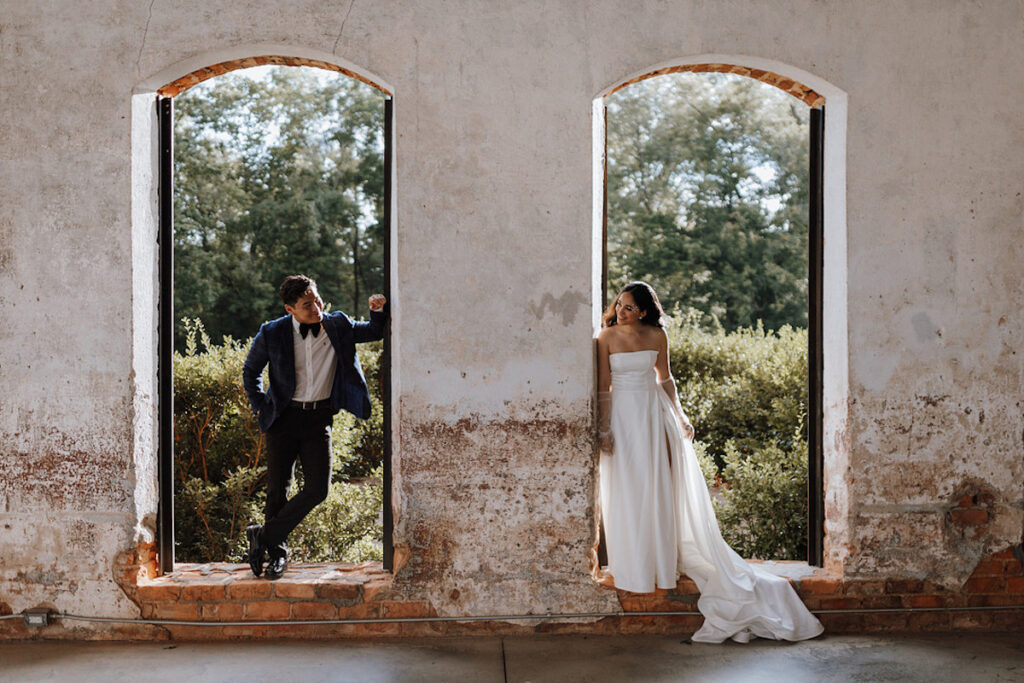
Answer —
345 527
220 471
218 449
359 448
748 387
706 462
746 394
763 511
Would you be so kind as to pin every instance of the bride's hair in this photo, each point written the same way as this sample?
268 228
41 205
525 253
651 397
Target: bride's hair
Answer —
645 298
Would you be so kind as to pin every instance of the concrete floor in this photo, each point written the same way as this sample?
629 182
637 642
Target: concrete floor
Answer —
931 658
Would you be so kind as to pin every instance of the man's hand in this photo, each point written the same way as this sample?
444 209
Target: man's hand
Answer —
377 302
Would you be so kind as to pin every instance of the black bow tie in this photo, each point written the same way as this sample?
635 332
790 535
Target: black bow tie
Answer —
306 327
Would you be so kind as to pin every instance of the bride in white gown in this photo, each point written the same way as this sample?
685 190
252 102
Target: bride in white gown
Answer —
658 517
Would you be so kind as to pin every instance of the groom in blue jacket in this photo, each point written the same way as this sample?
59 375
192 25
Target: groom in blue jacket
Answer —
314 373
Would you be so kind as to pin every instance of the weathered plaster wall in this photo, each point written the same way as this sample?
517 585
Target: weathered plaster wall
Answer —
493 297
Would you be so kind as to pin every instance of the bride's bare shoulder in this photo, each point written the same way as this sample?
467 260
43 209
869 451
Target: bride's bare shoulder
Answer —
653 334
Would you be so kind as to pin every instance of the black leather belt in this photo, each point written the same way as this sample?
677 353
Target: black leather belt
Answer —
310 405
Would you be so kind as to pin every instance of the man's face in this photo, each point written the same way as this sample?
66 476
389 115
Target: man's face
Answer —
308 308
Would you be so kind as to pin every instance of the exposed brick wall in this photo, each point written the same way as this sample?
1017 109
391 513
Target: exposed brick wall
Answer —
972 512
997 581
135 567
788 85
182 84
229 593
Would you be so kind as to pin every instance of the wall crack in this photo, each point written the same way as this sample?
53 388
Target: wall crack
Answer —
341 30
145 33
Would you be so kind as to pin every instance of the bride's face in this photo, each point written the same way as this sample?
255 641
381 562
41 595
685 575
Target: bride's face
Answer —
626 310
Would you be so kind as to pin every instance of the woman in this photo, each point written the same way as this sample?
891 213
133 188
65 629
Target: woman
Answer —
657 512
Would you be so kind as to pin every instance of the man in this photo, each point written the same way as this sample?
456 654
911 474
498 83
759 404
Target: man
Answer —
314 373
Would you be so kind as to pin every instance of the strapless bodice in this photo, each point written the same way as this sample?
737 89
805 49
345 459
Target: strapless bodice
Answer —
633 370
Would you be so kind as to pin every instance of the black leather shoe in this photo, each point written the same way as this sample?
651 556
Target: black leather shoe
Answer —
276 566
257 551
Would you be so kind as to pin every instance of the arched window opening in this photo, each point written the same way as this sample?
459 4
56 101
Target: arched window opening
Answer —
265 172
712 193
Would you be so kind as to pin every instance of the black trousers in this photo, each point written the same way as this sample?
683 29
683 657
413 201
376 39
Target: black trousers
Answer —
303 435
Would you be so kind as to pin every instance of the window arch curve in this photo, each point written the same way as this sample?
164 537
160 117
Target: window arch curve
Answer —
178 77
790 86
180 85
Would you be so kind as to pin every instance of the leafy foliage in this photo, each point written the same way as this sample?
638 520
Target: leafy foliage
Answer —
746 394
747 386
763 511
217 444
707 196
275 176
346 527
219 471
360 448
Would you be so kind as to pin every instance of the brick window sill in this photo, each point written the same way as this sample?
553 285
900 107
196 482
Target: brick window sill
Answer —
313 591
683 598
334 591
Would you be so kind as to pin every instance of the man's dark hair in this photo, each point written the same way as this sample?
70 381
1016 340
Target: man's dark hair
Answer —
294 286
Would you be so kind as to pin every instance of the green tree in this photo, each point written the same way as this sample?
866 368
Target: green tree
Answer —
275 175
707 196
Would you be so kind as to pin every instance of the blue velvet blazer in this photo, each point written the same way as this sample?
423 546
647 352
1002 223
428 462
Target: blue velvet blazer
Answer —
274 345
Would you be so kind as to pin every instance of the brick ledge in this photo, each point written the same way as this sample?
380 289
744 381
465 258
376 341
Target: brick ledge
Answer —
332 591
229 592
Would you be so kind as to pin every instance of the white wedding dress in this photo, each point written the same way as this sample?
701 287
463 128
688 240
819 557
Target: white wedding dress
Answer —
659 521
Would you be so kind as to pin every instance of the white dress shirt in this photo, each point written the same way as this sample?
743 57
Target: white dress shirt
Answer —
315 363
